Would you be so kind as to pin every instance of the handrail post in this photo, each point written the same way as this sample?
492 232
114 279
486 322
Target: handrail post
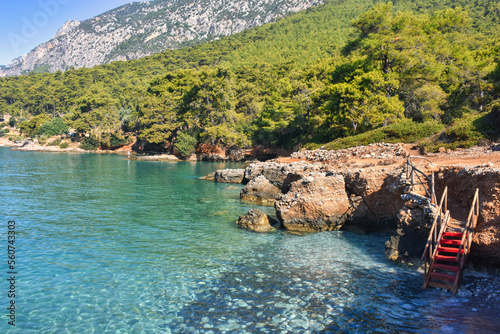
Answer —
433 194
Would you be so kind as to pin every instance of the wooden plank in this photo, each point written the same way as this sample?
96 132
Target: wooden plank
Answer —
448 250
446 267
443 277
446 258
440 285
450 242
452 235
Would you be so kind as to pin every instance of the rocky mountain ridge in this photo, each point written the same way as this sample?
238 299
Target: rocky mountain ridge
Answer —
143 28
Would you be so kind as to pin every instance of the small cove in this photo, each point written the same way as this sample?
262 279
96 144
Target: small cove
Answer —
107 245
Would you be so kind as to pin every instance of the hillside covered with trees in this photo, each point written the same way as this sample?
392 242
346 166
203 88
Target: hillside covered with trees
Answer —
334 71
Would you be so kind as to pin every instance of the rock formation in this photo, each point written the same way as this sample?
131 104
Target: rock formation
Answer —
259 191
229 175
257 221
143 28
462 183
317 202
356 192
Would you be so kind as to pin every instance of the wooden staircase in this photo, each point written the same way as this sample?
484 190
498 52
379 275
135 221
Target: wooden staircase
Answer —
448 246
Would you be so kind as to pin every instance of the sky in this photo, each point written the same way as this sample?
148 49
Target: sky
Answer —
26 24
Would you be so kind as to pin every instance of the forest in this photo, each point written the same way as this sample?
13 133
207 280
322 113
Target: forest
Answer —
408 70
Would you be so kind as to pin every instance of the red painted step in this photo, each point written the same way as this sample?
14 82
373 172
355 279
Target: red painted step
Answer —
446 258
451 242
452 235
449 250
443 277
445 267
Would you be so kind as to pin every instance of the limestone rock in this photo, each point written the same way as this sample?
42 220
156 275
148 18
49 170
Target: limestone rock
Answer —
257 221
315 203
375 197
259 191
229 175
139 29
411 234
208 177
462 183
277 173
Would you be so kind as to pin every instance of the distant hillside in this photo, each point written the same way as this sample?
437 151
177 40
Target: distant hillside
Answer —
332 71
143 28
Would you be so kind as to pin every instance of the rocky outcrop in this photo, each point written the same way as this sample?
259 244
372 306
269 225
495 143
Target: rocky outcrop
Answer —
317 202
410 235
462 183
276 172
381 151
229 175
341 194
257 221
259 191
375 198
143 28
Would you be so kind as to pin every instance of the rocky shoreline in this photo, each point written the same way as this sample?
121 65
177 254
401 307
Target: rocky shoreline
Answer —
360 189
203 153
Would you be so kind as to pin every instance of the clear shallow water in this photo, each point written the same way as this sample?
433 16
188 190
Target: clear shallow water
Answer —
107 245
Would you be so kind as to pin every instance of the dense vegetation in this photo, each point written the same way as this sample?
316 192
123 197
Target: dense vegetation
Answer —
405 70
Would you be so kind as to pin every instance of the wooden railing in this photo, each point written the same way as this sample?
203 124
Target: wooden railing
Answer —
413 174
438 226
470 226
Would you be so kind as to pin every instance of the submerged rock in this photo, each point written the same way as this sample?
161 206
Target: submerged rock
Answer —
209 177
229 175
257 221
259 191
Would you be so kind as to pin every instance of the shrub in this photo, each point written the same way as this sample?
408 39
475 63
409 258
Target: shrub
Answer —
55 142
406 131
54 127
112 140
185 144
16 138
117 141
89 143
64 145
12 122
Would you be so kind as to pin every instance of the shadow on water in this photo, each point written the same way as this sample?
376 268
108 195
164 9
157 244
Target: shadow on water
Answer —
294 286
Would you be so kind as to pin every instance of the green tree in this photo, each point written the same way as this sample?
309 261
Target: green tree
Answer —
185 143
29 128
54 127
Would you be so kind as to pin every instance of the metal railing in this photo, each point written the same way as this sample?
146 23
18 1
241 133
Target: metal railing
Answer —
413 174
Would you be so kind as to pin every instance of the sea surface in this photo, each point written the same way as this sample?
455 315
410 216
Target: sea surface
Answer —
107 245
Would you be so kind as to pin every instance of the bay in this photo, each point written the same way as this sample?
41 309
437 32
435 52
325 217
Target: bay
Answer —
107 245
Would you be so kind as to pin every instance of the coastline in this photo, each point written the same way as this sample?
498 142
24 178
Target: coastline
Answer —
360 189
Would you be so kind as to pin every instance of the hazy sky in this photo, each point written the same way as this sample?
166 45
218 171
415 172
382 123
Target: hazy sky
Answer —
27 23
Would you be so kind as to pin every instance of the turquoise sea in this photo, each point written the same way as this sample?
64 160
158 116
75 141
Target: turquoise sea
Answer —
107 245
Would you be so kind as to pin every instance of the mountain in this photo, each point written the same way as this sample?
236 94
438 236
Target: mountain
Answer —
144 28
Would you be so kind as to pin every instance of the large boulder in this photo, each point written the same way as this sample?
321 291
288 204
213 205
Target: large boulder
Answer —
257 221
229 175
259 191
317 202
375 198
408 241
276 173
